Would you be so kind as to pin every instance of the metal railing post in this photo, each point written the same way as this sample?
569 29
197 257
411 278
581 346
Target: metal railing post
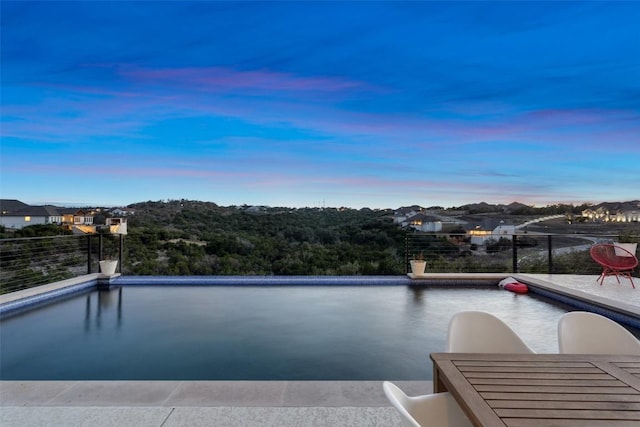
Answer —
121 249
406 253
515 253
88 253
549 255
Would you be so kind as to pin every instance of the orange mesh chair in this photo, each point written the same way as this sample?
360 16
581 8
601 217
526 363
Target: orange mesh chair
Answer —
612 264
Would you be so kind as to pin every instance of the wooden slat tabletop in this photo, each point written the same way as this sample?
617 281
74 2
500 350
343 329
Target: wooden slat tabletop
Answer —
542 389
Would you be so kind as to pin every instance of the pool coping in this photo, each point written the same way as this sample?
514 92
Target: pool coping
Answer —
25 299
202 393
51 288
615 309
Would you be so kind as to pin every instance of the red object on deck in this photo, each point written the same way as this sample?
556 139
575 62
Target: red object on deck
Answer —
517 287
612 264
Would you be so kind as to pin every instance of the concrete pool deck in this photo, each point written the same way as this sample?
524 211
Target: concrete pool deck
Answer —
249 403
199 403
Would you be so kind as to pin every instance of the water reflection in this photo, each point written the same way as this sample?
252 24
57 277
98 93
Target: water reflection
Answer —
105 299
418 294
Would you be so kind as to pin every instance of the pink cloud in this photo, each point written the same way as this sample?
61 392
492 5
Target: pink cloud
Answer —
220 79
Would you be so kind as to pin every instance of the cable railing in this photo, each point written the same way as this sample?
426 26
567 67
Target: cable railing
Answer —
509 253
33 261
29 262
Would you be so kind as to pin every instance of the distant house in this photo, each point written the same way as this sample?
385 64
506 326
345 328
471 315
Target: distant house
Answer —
29 215
256 209
504 230
422 222
117 225
401 215
123 211
11 205
614 212
15 214
75 216
490 229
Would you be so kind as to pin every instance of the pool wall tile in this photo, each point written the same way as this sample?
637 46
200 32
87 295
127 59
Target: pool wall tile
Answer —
17 306
299 281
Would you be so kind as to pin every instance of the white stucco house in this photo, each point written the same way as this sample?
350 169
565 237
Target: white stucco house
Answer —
481 233
403 214
422 222
30 215
16 215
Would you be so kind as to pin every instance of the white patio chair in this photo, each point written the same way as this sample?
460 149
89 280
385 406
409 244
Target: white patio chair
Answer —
437 410
482 332
581 332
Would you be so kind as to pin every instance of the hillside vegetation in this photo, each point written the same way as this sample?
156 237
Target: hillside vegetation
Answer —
200 238
183 237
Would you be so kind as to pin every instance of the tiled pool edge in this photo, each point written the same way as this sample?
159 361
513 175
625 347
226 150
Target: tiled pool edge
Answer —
434 279
23 300
18 305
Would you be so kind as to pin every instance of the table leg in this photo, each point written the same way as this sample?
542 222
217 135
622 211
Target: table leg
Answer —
438 385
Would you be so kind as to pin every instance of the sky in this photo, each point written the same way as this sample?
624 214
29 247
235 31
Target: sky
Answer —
311 104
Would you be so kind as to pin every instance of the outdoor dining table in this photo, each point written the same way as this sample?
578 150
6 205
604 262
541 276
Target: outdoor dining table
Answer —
542 389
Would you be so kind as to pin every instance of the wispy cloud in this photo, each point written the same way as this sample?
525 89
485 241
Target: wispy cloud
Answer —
218 79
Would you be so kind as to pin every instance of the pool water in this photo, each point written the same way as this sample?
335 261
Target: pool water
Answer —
255 333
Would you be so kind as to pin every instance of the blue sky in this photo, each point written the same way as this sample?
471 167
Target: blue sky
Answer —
357 104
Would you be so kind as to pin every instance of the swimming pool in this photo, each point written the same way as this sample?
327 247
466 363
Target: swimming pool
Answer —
255 332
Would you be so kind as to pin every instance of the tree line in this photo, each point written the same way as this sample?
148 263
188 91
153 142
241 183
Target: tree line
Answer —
200 238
